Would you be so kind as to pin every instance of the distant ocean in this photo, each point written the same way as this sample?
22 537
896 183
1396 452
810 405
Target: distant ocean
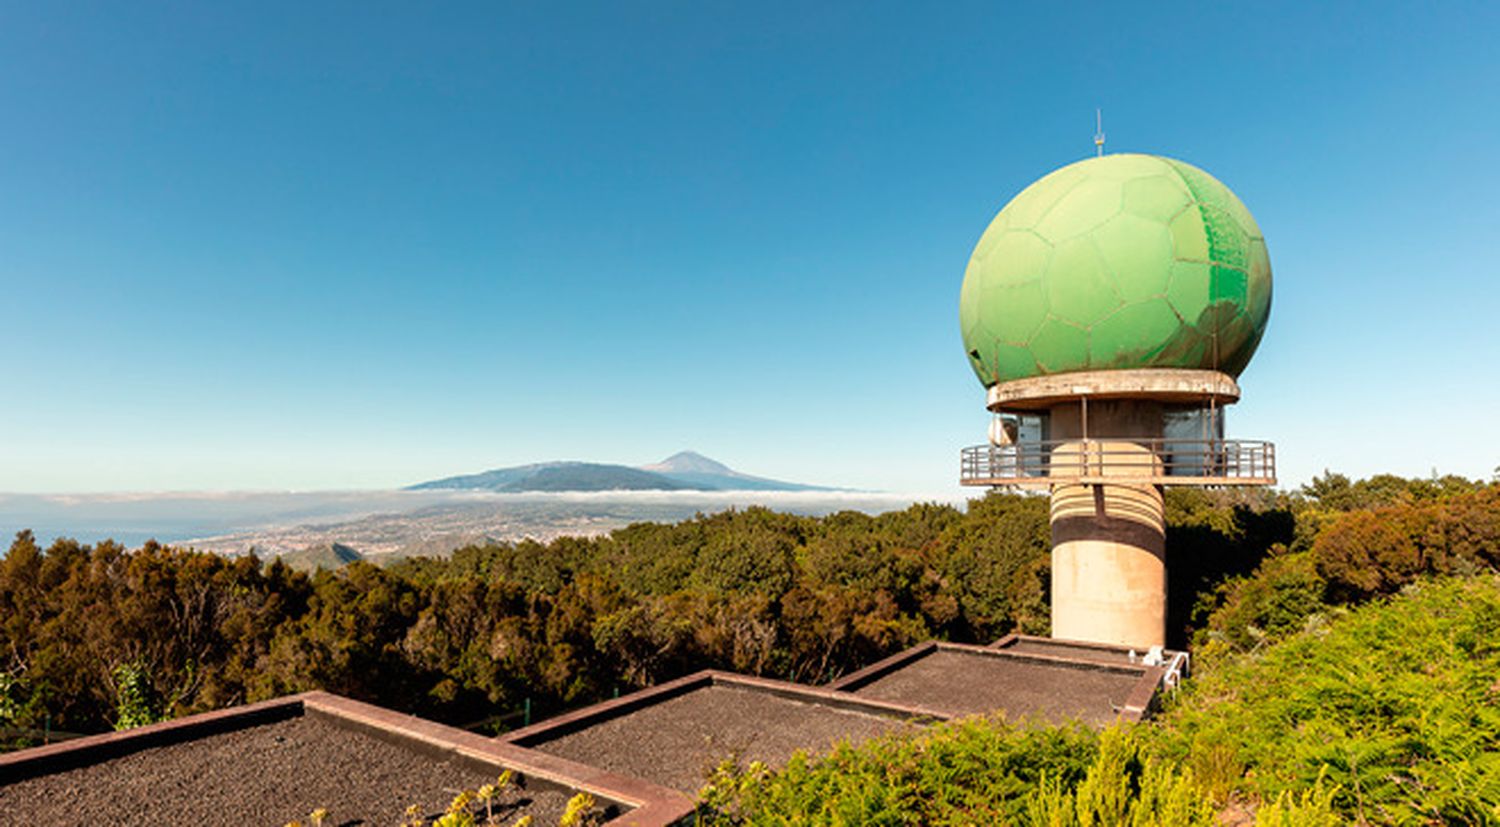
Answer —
170 517
177 517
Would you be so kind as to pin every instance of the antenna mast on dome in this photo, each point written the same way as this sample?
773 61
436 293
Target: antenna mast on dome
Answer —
1099 132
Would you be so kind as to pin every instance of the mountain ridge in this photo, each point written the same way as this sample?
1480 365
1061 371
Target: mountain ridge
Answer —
682 471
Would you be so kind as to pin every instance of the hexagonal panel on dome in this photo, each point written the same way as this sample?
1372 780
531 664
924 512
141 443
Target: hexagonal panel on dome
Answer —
1028 208
1189 239
1026 257
1058 346
969 304
974 333
1133 334
1159 198
1138 252
1016 311
1011 360
1187 290
1211 192
1080 287
987 242
1229 285
1087 205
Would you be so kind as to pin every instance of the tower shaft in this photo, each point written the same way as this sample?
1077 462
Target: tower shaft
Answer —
1109 568
1109 572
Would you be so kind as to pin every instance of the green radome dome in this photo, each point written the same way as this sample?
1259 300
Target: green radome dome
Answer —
1122 261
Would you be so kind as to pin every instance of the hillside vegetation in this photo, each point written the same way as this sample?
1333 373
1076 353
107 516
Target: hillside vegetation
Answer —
1353 677
563 623
478 634
1341 640
1387 714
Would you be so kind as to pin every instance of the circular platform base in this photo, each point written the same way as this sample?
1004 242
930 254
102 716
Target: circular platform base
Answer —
1166 385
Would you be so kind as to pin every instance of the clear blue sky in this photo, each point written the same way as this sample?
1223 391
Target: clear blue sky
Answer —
347 245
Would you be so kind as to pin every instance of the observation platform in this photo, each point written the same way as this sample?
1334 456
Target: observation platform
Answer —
1125 460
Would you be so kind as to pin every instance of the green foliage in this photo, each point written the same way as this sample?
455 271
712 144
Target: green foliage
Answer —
1327 498
997 565
977 771
972 771
195 628
1121 787
136 703
1214 535
558 624
1272 603
1394 708
581 811
1367 553
1384 714
10 701
1353 542
1335 492
1310 808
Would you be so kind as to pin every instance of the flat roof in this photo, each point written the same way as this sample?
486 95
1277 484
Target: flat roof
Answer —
276 761
266 774
676 735
970 680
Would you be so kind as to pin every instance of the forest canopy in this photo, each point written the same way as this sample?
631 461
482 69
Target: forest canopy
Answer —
93 637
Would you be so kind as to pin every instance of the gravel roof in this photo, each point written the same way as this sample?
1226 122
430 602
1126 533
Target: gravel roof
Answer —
262 775
678 742
963 683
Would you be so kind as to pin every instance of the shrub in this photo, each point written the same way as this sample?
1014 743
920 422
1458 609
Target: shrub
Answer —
1271 604
136 703
975 770
1394 707
1384 714
1367 553
1122 787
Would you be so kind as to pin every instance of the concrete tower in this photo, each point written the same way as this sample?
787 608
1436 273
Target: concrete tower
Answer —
1108 310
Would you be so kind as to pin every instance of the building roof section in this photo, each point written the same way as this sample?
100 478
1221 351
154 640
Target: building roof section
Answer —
675 734
1016 677
191 764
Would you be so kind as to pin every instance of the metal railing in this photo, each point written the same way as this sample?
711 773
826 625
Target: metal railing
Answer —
1121 460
